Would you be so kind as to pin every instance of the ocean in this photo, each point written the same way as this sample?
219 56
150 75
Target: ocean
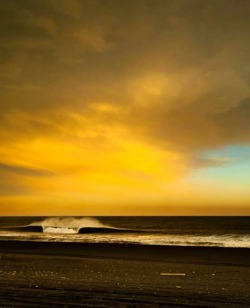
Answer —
167 231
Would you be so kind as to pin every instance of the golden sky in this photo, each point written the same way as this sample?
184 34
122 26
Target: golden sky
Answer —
124 107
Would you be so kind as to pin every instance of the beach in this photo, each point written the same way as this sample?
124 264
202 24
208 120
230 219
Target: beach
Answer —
42 274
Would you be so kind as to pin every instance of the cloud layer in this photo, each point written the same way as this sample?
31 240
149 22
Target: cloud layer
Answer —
169 78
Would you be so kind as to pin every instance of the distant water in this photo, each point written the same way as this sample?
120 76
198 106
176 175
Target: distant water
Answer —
178 231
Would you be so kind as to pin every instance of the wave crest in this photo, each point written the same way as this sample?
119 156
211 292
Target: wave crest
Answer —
70 225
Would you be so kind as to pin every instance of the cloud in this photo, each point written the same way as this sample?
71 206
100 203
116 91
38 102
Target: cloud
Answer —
202 162
173 72
18 180
5 168
123 78
234 123
191 128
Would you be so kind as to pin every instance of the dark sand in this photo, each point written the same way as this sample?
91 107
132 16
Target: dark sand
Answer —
106 275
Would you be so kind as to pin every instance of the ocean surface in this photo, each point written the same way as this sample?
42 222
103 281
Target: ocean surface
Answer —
177 231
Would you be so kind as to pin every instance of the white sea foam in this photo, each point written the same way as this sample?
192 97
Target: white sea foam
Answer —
229 240
232 241
60 230
235 241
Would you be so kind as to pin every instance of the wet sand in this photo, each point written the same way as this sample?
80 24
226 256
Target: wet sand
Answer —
111 275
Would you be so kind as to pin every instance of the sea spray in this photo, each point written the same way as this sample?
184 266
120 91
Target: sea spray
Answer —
69 224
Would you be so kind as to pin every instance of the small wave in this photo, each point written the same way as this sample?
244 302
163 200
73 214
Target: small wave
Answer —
25 229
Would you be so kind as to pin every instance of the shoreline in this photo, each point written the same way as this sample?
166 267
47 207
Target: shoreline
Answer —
206 255
49 274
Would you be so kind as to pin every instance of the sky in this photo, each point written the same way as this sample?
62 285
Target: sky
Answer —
124 107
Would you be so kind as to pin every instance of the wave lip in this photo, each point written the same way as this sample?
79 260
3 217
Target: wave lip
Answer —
103 230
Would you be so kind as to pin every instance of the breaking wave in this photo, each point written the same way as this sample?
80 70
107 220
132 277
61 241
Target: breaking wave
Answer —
70 225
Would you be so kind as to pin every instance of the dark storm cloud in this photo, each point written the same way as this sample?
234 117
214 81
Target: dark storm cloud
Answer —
189 127
234 123
65 55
